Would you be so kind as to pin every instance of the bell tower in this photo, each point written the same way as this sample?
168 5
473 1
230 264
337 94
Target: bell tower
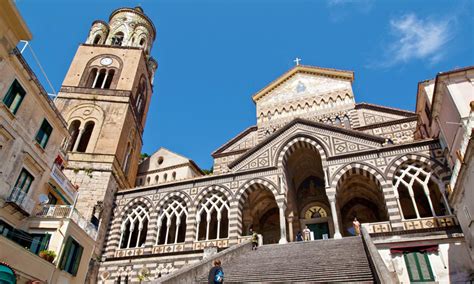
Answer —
105 98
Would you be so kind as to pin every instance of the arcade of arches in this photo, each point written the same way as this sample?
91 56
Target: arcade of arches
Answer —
309 202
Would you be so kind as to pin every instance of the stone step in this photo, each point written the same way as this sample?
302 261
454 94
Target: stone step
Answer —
342 260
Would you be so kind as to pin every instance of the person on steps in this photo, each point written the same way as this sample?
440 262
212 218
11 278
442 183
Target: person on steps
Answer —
306 233
299 236
254 240
216 274
356 225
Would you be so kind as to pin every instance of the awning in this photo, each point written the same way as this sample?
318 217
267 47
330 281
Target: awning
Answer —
7 275
428 248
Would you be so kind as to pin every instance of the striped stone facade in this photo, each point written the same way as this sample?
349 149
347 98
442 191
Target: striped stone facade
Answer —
365 156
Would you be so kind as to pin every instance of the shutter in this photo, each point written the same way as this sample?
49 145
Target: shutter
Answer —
77 261
45 242
65 253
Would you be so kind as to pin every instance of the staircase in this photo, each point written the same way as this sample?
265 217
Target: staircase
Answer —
341 260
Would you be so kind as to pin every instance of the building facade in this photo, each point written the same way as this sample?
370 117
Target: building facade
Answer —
36 198
445 106
314 158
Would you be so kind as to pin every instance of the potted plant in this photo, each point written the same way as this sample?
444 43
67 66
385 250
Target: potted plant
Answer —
47 255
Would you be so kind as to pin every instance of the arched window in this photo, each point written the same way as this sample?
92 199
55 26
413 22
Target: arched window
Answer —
134 228
108 79
346 122
117 39
172 223
141 98
418 193
74 131
85 137
165 177
337 121
128 154
97 39
173 176
92 78
148 181
213 217
157 178
142 42
102 79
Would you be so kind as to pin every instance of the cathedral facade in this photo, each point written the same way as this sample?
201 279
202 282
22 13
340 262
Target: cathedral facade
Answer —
314 158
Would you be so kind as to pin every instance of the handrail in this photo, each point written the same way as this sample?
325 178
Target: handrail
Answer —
381 272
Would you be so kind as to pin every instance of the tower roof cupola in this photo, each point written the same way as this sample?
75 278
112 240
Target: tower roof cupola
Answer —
128 27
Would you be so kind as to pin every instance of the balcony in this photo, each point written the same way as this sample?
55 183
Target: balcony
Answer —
67 211
430 223
62 183
19 199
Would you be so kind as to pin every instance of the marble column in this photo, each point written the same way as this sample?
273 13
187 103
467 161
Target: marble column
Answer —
335 218
282 208
290 228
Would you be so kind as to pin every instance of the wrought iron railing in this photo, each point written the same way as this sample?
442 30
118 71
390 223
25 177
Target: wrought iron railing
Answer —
66 211
20 198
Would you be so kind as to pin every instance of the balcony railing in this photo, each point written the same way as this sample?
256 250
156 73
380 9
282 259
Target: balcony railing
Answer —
378 227
20 199
66 211
67 187
430 223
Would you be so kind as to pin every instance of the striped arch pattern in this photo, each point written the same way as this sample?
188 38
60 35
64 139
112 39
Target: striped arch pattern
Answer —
212 202
439 170
159 209
235 218
378 178
298 143
135 220
113 241
191 228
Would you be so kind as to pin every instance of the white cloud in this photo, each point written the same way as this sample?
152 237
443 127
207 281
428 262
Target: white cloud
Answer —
415 38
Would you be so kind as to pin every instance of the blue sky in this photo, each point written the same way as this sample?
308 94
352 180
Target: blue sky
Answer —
214 55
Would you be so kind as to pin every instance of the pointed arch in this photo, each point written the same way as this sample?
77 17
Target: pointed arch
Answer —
296 142
134 225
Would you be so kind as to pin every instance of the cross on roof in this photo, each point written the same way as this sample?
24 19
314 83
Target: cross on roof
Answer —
297 61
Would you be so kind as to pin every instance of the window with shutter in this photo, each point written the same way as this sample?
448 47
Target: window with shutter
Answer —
44 133
14 97
71 257
418 267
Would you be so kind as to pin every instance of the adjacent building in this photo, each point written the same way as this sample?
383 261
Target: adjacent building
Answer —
36 198
445 106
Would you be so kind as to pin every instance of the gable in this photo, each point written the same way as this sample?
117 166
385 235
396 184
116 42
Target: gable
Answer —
163 158
305 89
333 140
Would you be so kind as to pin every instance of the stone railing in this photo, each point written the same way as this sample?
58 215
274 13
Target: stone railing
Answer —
220 243
19 198
379 227
67 187
429 223
168 248
66 211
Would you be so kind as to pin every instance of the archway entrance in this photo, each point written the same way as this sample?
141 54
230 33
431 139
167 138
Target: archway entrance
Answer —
308 204
360 196
260 212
